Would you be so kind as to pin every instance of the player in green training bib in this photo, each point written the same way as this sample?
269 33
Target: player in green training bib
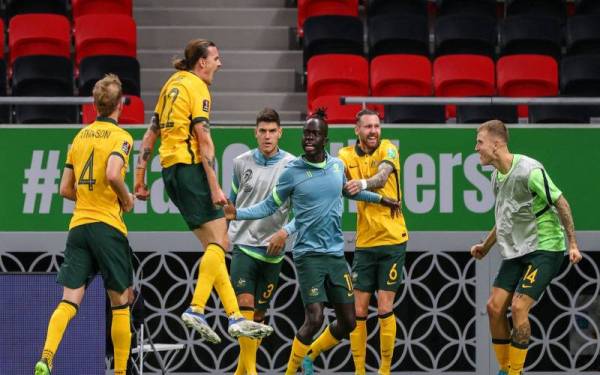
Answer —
529 211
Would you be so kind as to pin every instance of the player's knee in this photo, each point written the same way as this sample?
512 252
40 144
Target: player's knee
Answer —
519 308
495 310
314 321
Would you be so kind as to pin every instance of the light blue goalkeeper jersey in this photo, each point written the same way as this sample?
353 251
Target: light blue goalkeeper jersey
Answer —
315 191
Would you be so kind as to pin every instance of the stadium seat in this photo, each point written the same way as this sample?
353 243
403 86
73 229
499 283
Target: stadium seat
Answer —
563 114
332 34
395 7
133 112
580 76
583 34
4 109
465 34
477 114
551 8
85 7
312 8
14 7
336 112
93 37
94 68
587 7
43 76
463 75
401 75
398 34
531 34
527 76
485 8
415 114
39 34
336 75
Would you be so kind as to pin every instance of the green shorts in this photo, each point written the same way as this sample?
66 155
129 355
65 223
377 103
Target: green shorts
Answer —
324 278
253 276
378 268
187 186
531 273
97 247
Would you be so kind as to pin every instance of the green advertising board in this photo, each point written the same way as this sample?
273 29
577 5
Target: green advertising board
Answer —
444 186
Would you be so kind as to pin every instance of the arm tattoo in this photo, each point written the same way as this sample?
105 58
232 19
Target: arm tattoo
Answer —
154 126
380 178
146 154
521 334
566 217
211 162
205 127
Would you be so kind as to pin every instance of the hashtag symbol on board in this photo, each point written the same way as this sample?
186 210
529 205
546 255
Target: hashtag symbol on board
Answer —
40 181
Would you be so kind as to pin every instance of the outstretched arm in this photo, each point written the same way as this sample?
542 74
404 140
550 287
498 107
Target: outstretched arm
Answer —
152 133
566 218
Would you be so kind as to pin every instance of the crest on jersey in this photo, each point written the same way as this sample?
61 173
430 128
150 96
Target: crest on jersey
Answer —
391 153
246 177
126 147
205 105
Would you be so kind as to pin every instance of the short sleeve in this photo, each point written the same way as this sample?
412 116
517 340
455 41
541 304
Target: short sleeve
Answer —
122 147
69 162
200 102
540 183
390 155
284 187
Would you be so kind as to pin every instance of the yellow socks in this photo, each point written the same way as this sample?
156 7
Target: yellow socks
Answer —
64 312
226 293
248 346
324 342
501 347
358 344
208 269
516 354
298 353
387 341
120 332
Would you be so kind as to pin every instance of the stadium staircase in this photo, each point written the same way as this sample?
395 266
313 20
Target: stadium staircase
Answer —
262 63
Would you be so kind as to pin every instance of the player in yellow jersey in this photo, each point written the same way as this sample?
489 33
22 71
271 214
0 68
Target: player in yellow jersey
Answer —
94 178
187 156
374 164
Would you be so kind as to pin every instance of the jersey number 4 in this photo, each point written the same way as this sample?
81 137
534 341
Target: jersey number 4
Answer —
87 174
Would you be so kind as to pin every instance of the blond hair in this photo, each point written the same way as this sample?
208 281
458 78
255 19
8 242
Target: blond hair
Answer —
107 94
495 128
194 51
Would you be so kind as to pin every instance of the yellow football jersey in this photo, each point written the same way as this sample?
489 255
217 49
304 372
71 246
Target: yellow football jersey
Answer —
375 225
88 157
184 101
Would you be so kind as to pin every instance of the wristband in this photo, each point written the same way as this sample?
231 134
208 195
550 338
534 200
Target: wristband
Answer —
363 184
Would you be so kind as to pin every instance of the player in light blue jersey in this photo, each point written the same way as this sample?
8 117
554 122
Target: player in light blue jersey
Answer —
314 184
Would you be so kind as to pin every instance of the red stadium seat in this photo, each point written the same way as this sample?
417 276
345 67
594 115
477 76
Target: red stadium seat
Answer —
527 76
39 34
310 8
93 37
401 75
337 75
463 75
336 112
84 7
133 112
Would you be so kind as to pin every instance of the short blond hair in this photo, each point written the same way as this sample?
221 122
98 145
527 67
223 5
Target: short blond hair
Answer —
496 128
107 94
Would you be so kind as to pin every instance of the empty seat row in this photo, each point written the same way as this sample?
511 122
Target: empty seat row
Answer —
450 76
53 76
78 7
453 34
50 34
